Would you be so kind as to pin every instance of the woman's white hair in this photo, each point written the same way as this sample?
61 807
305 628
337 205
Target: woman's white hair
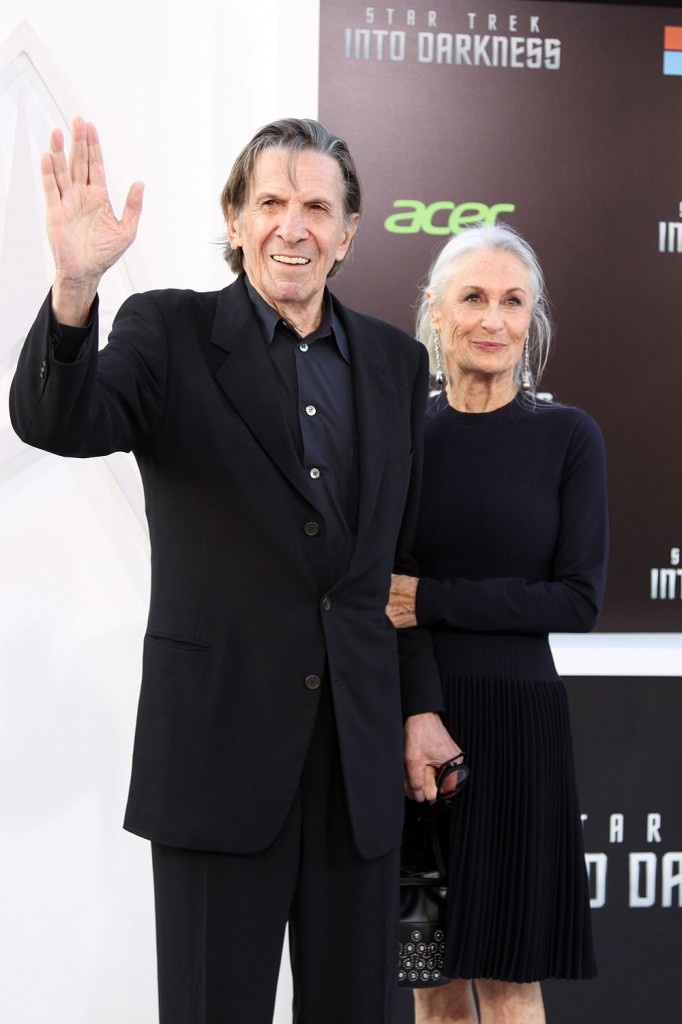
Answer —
502 238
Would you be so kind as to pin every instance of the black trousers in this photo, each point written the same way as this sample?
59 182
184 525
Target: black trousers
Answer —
220 918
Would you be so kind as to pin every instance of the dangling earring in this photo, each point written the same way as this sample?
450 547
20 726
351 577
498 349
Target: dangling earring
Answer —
525 373
435 342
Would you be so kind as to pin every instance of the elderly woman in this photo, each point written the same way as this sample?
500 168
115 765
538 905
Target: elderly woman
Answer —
512 544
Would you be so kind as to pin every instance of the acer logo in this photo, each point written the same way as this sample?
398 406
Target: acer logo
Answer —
441 218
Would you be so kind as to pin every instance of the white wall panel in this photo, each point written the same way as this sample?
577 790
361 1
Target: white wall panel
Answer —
175 89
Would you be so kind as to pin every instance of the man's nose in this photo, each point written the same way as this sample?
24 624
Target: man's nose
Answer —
292 227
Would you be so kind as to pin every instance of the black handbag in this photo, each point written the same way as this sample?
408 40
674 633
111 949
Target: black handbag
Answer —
423 888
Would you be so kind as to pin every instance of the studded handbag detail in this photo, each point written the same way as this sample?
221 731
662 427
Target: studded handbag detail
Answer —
423 885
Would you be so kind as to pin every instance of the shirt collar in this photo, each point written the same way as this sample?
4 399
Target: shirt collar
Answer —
270 319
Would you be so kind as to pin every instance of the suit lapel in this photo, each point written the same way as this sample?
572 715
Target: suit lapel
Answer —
248 378
244 371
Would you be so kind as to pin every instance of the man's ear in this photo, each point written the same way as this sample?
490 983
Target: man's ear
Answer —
347 236
234 228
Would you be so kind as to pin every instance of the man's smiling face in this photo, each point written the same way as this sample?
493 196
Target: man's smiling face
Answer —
292 228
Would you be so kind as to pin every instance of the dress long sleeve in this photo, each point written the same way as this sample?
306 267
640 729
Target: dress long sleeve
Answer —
550 463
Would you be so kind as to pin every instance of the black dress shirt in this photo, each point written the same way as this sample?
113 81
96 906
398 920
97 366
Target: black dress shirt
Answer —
318 402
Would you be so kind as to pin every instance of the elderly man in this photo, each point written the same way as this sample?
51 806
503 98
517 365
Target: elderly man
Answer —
278 435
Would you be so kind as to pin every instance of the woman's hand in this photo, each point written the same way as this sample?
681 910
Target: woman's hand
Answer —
402 601
428 745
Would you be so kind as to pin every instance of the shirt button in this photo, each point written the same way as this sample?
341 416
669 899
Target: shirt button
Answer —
312 529
326 604
312 682
311 410
314 472
303 347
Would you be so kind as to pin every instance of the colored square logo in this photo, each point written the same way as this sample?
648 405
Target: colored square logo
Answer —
672 50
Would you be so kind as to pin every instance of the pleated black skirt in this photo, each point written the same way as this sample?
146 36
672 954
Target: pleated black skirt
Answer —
518 906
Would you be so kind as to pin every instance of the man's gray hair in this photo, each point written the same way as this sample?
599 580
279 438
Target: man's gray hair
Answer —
292 135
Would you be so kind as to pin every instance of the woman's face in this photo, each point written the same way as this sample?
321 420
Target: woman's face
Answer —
484 315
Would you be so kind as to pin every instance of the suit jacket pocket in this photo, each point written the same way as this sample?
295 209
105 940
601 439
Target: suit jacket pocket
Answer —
176 642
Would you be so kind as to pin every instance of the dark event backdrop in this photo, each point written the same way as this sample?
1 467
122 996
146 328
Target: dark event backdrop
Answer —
562 119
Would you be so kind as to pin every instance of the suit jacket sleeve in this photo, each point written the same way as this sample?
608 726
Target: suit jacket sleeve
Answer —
95 404
421 688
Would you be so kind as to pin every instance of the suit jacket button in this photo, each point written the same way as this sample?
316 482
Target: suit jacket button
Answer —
326 604
43 370
312 682
311 529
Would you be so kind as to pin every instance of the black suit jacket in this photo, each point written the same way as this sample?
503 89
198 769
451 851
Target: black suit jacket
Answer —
244 617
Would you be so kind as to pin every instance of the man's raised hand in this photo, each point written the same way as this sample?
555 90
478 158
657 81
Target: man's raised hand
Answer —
85 236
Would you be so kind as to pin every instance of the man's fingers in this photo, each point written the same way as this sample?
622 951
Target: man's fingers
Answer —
60 168
49 180
96 175
78 156
134 199
56 141
132 210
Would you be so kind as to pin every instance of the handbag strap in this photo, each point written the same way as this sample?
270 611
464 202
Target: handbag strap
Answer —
437 849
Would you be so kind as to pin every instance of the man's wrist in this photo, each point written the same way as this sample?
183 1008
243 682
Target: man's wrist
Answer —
72 300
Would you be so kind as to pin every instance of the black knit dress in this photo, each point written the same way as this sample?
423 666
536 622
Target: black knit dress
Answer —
512 545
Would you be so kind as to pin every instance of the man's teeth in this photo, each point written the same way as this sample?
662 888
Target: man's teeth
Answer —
291 259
